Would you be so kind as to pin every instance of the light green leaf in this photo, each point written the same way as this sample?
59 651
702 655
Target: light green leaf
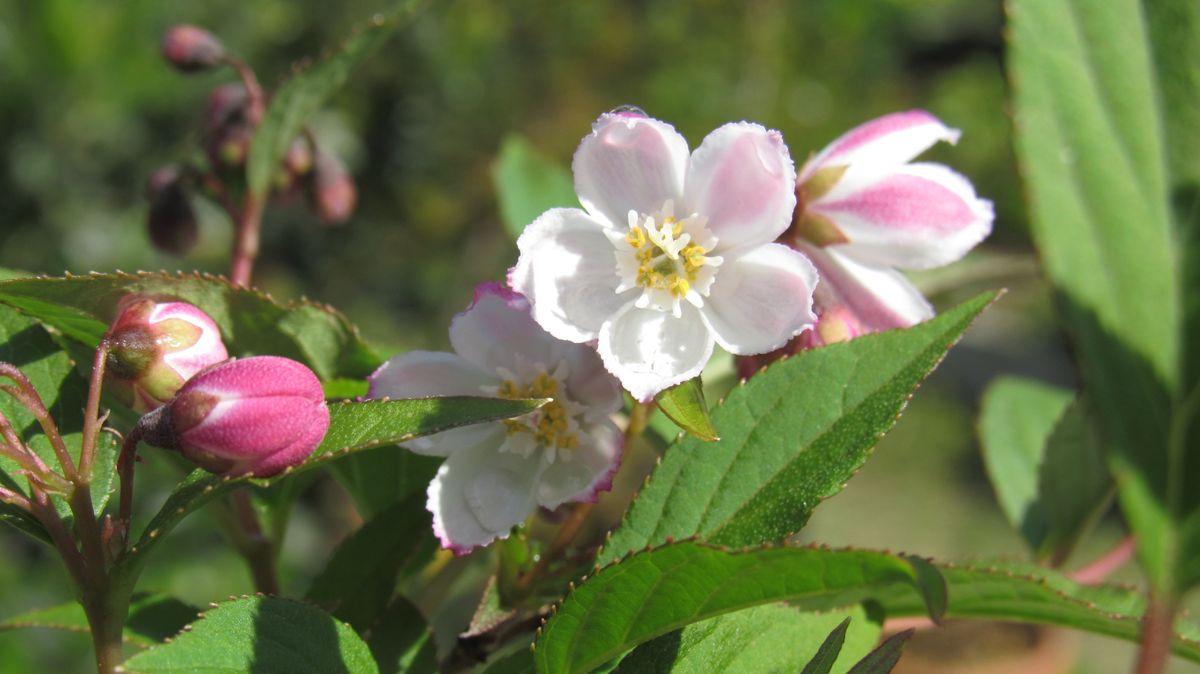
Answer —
790 437
153 618
295 101
1090 140
260 634
528 184
251 323
685 405
402 642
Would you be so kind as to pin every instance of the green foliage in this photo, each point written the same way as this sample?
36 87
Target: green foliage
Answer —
883 659
528 184
251 322
790 437
152 619
260 634
1045 463
401 641
377 478
685 405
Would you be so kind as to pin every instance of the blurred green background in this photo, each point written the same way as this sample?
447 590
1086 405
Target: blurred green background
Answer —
88 109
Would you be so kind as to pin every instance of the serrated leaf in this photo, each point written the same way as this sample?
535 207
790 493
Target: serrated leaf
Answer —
260 634
883 659
1091 144
790 437
685 405
402 642
660 590
152 619
528 184
357 583
295 101
251 322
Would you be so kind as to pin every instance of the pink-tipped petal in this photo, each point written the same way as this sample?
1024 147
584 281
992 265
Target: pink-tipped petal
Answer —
890 140
916 216
479 495
629 162
764 297
879 299
207 350
568 271
295 453
649 350
586 471
742 180
498 326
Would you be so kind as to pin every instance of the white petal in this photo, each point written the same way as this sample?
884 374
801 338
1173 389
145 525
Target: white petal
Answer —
880 299
629 162
761 299
742 180
424 374
479 496
568 271
590 384
890 140
649 350
498 327
916 216
587 471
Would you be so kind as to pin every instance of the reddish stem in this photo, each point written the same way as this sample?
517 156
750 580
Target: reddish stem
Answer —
255 547
245 240
27 395
91 415
1104 565
1157 627
125 471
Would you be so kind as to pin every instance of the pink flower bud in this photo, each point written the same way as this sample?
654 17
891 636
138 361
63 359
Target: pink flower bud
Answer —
171 219
192 49
154 347
254 416
333 192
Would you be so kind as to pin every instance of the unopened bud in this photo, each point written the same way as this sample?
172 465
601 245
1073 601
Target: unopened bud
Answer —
299 158
255 416
171 219
154 347
227 103
333 192
192 49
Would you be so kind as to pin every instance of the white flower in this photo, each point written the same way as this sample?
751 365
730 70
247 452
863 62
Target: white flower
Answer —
864 210
495 474
671 252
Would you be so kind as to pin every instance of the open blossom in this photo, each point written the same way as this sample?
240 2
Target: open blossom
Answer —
671 252
496 473
865 210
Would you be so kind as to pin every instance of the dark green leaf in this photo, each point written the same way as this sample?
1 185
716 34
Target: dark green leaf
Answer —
790 437
251 322
685 405
401 641
153 618
379 477
1173 26
260 634
528 184
829 650
298 98
883 659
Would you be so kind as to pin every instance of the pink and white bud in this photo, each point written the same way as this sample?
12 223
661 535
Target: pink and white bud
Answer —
334 195
154 347
256 416
192 49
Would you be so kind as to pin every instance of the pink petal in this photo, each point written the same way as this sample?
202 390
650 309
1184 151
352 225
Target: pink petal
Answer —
649 350
629 162
586 471
761 299
296 452
890 140
879 299
742 180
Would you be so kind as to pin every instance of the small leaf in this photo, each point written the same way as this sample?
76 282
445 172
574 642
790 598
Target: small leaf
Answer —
295 101
829 650
883 659
685 405
402 642
260 634
528 184
152 619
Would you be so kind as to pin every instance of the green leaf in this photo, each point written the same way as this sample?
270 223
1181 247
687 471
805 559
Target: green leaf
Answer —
660 590
260 634
829 650
1089 137
1045 463
684 404
790 437
769 638
251 323
153 618
401 641
377 478
357 583
528 184
883 659
1173 26
295 101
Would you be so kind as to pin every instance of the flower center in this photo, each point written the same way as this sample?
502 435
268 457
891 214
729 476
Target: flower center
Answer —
552 427
667 257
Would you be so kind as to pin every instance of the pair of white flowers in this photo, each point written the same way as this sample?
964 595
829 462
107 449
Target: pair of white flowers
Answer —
672 254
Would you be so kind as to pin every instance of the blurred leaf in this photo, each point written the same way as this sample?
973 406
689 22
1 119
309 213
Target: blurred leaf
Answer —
769 638
684 404
357 583
660 590
1090 140
829 650
401 641
1173 26
295 101
343 388
153 618
1046 465
379 477
251 322
260 634
883 659
790 437
528 184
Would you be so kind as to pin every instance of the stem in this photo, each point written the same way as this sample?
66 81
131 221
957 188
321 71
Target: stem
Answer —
1103 566
255 546
91 417
257 101
245 240
125 471
1156 636
29 398
106 614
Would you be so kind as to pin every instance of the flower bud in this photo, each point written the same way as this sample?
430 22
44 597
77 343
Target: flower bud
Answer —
192 49
256 416
171 219
154 347
333 193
